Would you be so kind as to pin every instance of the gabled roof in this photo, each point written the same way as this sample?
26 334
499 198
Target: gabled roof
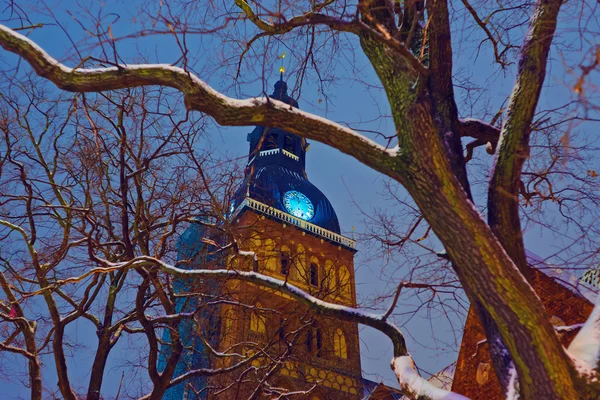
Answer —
379 391
564 277
567 302
444 378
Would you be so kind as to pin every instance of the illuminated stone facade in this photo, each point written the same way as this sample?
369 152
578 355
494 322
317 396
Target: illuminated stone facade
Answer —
315 355
293 231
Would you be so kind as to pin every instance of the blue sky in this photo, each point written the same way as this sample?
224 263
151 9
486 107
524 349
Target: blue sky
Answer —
355 99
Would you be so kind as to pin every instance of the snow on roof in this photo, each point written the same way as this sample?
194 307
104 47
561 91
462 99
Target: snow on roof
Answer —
444 378
563 276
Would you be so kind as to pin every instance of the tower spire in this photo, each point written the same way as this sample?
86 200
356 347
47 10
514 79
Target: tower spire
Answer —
282 68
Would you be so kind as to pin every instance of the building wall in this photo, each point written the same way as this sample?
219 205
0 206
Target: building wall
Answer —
475 377
277 328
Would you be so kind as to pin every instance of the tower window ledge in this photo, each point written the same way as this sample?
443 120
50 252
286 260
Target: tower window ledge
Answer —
291 155
268 152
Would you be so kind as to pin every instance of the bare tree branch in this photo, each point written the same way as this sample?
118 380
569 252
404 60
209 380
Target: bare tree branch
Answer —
503 201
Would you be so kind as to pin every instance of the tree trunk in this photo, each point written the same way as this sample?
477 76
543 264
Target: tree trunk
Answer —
488 275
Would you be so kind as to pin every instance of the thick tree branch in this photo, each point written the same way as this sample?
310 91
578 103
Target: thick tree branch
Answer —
312 17
378 31
319 306
201 97
441 88
485 135
487 273
450 129
409 379
503 206
440 51
477 129
503 201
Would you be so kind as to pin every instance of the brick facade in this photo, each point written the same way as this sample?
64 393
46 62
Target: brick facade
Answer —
312 363
474 376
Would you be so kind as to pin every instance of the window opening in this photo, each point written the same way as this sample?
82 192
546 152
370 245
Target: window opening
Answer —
288 144
319 342
257 321
270 142
309 341
285 260
314 274
339 344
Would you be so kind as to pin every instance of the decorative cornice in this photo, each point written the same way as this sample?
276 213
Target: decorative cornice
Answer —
292 220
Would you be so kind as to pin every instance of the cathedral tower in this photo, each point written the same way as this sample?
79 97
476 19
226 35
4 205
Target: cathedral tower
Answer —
293 230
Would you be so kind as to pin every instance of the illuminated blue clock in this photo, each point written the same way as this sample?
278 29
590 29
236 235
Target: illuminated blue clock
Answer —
298 205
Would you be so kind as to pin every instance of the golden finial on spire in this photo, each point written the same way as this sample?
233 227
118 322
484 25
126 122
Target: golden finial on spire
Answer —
282 68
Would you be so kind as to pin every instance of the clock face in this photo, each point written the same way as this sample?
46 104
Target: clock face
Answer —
298 205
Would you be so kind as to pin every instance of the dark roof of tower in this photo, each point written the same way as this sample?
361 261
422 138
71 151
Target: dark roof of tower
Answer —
279 167
268 184
280 93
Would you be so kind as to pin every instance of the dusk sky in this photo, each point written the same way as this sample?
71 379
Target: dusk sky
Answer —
354 99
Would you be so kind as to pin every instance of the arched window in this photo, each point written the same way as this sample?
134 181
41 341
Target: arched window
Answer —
258 321
212 326
339 344
314 274
285 260
270 251
270 142
314 271
228 322
330 276
288 144
314 341
254 245
345 288
309 341
319 340
281 330
300 262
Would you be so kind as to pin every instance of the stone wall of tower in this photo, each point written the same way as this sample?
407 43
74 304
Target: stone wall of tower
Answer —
302 351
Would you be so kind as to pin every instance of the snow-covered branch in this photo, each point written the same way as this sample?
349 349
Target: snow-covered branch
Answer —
320 306
585 348
409 380
200 96
414 386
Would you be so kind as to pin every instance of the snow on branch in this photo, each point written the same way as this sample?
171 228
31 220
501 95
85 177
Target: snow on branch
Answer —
585 348
199 96
414 386
410 381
